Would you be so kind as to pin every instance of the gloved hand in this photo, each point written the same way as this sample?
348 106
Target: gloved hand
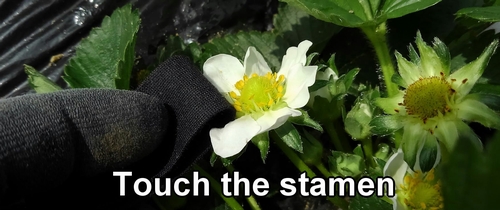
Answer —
58 150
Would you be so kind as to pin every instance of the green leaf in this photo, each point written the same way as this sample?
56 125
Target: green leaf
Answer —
326 111
470 177
272 46
381 162
174 45
342 85
378 169
311 57
332 65
360 13
213 159
105 58
483 14
346 13
306 120
262 142
349 77
295 25
227 161
470 47
486 89
358 150
385 124
488 94
369 203
39 82
396 78
289 134
399 8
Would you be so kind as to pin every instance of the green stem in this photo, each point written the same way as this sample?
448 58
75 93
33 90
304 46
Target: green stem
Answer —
253 203
398 139
377 36
342 136
334 136
231 202
293 156
340 144
368 151
340 202
321 168
387 199
250 199
343 204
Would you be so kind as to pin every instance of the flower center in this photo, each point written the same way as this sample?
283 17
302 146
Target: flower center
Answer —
422 192
427 97
257 93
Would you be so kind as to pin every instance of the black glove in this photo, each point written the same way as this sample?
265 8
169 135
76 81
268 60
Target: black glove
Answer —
58 150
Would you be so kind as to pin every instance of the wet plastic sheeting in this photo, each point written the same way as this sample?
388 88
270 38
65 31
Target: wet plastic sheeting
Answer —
31 31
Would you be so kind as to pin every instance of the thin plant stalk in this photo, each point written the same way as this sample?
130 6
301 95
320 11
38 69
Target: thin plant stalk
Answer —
367 146
230 201
378 39
340 144
250 199
304 168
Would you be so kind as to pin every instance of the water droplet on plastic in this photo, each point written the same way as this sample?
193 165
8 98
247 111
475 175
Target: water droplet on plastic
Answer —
85 11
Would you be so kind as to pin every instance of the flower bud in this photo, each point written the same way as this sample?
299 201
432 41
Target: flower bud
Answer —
357 121
346 164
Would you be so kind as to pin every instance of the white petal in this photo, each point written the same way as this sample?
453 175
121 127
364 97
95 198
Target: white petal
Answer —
438 156
396 167
397 205
390 105
414 135
465 132
429 142
476 111
407 70
223 71
429 61
255 63
295 55
274 119
468 75
235 135
297 85
447 133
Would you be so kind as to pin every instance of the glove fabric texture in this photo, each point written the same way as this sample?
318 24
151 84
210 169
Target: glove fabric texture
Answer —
58 150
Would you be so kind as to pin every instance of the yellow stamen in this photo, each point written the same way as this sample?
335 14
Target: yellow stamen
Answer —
421 191
428 97
257 93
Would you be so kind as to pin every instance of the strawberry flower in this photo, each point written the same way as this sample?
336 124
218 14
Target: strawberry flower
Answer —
263 99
